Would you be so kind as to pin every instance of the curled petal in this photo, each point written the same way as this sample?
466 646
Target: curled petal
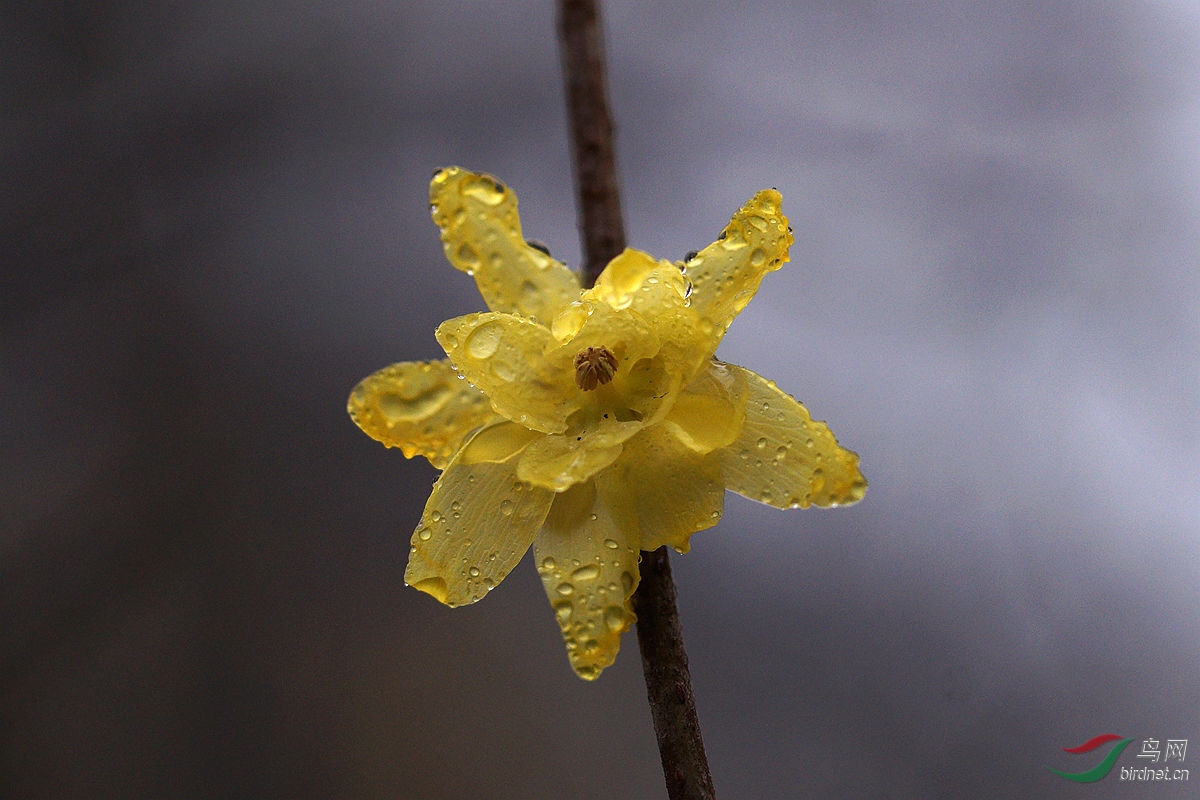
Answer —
560 461
669 489
477 524
507 358
587 556
786 459
710 411
422 407
481 234
658 292
726 274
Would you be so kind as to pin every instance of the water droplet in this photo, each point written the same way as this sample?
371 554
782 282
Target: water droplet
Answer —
436 516
611 544
809 443
467 258
562 611
484 341
565 589
762 444
758 256
757 222
506 508
781 452
547 564
627 582
473 572
434 587
399 407
586 573
424 534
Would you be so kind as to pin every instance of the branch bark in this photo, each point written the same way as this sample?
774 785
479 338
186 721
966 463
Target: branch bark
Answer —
660 635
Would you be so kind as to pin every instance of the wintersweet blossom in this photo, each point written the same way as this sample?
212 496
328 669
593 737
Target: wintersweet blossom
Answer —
595 423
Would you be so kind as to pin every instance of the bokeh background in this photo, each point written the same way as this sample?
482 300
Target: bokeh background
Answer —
214 223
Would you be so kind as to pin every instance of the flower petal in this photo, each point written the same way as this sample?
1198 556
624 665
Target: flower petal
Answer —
726 274
481 234
786 459
509 358
422 407
478 522
657 291
559 461
669 489
587 556
710 411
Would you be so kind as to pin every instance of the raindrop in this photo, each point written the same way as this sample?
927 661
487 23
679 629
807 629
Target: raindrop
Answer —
436 516
468 257
473 572
424 534
611 544
484 341
762 444
586 573
506 508
548 564
781 452
565 589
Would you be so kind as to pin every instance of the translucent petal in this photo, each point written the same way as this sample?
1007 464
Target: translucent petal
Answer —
786 459
670 490
644 382
506 357
589 445
709 412
422 407
587 556
481 234
726 274
477 525
657 291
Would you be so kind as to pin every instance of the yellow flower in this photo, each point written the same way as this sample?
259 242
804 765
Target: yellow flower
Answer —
591 424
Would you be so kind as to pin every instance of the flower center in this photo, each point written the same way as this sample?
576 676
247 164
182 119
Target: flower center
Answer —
594 366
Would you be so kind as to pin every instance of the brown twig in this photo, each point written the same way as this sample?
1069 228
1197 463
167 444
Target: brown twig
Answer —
660 636
591 135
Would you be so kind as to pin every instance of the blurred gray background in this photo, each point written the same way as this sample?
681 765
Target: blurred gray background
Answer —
214 223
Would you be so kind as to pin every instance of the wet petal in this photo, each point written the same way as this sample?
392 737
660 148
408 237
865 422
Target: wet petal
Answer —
669 489
422 407
562 460
481 234
477 524
786 459
657 292
506 357
587 556
709 412
726 274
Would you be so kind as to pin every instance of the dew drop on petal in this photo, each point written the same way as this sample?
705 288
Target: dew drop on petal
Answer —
611 544
434 587
565 589
762 444
506 508
586 573
473 572
484 341
424 534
